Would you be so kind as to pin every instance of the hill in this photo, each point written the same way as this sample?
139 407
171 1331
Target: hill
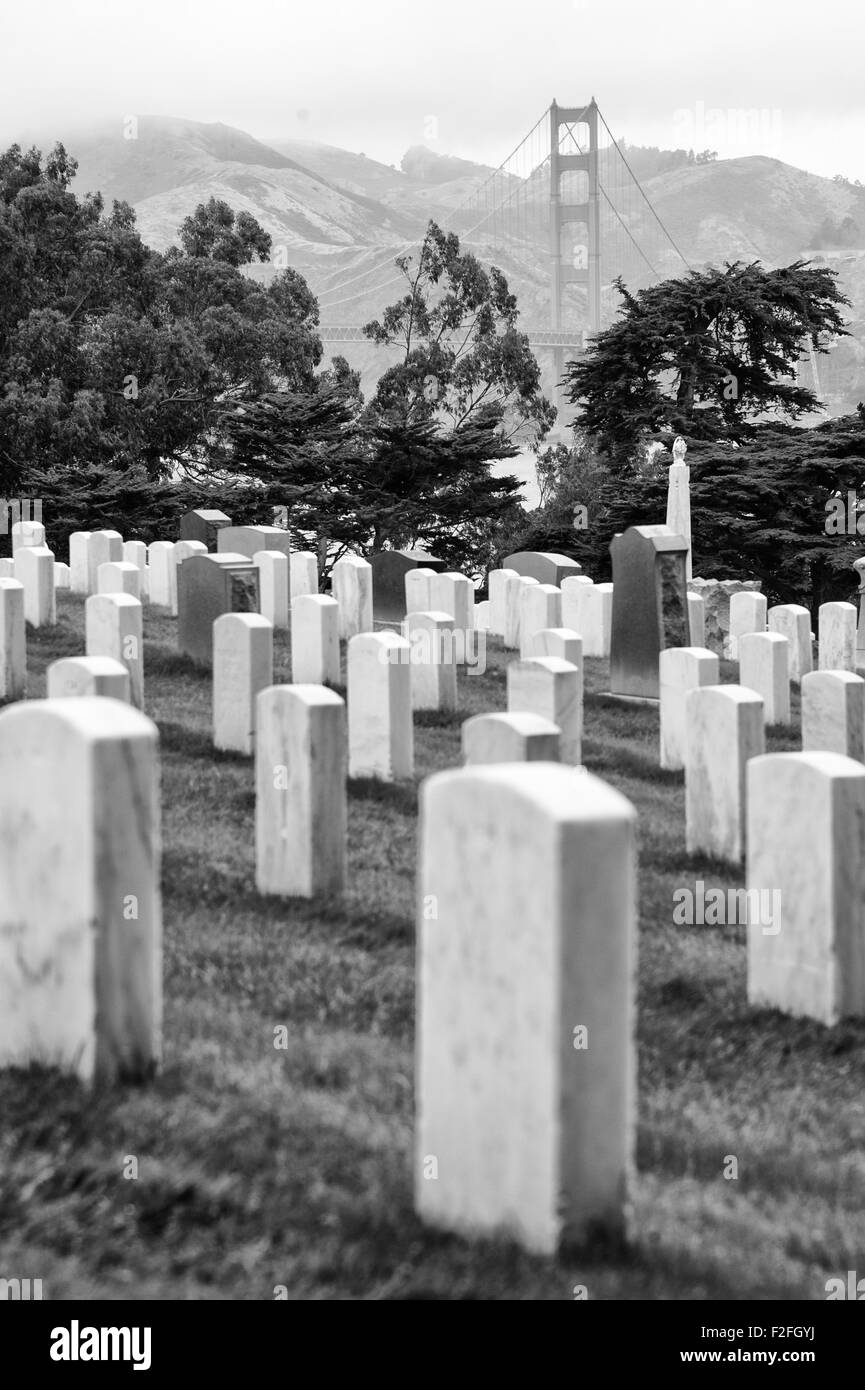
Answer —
172 165
341 217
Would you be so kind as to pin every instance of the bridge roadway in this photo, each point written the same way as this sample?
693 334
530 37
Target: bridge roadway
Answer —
538 337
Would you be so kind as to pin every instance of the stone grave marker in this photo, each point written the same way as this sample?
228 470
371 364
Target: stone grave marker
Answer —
315 640
724 729
27 534
526 959
793 621
836 644
34 567
553 689
764 666
390 569
101 547
80 945
119 577
74 676
545 567
498 582
561 642
246 540
833 713
717 595
418 590
806 955
203 524
453 593
79 562
114 627
432 660
748 611
302 573
510 738
162 575
242 668
380 730
208 586
273 579
650 607
300 791
697 621
351 586
681 669
13 641
540 608
679 499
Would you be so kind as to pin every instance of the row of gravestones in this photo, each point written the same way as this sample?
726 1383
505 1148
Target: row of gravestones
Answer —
114 648
526 932
487 1133
82 966
519 865
798 820
635 619
769 662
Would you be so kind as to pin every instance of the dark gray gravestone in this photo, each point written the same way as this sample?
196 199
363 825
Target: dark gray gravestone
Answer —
207 587
246 540
543 565
389 569
650 607
203 526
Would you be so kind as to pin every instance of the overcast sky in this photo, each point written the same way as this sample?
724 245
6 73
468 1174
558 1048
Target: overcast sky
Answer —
469 77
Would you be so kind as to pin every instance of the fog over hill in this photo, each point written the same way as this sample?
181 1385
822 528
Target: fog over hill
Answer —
339 216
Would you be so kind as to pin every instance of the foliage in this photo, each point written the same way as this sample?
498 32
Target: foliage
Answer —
216 232
572 509
456 327
352 481
760 510
100 497
704 355
113 354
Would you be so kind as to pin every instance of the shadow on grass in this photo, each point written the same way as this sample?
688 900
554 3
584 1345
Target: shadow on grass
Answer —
438 718
197 743
347 919
704 866
56 642
160 660
604 700
402 796
604 758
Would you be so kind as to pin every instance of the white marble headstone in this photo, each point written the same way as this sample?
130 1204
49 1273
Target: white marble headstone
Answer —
525 979
80 917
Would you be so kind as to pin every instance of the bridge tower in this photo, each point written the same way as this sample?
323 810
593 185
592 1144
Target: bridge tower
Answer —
585 266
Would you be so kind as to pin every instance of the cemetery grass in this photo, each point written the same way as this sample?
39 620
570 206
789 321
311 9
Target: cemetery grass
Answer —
259 1167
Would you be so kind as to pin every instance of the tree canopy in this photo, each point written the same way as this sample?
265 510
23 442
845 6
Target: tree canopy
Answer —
462 352
781 507
705 356
114 354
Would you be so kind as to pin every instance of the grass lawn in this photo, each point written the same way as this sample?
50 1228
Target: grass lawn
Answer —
260 1167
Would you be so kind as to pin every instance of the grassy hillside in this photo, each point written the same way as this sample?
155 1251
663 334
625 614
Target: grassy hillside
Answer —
341 219
172 165
260 1167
